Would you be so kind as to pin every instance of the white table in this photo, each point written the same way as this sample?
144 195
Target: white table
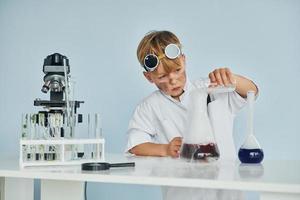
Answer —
272 179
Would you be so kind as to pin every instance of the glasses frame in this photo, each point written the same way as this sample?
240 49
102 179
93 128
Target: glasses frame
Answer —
157 58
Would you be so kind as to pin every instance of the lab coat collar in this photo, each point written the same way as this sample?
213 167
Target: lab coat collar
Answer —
182 103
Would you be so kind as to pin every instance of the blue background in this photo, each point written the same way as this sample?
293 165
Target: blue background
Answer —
258 39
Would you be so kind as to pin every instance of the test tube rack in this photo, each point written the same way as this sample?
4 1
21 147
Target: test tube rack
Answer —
63 152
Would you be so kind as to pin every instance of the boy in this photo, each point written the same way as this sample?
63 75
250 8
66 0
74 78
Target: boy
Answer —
157 126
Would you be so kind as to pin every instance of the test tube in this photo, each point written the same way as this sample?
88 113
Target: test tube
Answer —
50 125
66 126
38 154
32 153
74 152
46 152
213 88
73 118
28 126
33 127
55 124
29 153
69 152
59 117
72 108
88 153
52 155
80 151
41 126
98 127
89 124
98 135
41 152
24 128
69 121
24 152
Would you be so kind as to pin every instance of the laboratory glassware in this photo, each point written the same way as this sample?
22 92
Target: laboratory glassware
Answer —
213 88
25 126
250 151
98 135
32 126
199 142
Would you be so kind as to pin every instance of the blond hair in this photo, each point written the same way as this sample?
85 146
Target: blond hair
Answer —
155 42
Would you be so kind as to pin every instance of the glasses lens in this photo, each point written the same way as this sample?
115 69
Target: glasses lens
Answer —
151 62
172 51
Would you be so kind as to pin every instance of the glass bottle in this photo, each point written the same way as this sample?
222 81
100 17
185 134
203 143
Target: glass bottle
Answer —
250 151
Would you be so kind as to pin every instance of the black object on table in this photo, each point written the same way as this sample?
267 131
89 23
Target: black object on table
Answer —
97 166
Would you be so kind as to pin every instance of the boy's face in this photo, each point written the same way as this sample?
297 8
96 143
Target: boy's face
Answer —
170 83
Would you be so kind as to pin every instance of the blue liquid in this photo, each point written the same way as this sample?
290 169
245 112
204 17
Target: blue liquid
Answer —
251 155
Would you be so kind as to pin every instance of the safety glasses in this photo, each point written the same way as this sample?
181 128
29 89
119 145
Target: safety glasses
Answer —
151 61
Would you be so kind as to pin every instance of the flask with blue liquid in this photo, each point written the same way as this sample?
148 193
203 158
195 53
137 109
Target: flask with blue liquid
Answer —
250 151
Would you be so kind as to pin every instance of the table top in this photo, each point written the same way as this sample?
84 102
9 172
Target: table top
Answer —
270 176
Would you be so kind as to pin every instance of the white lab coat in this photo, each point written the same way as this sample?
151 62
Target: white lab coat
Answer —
159 118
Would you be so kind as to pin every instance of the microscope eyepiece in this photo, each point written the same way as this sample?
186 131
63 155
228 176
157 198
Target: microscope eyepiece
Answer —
56 68
55 64
56 59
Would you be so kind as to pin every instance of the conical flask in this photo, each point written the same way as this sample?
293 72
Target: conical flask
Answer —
198 140
250 151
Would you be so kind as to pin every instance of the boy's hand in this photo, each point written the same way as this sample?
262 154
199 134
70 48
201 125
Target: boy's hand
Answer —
174 146
222 76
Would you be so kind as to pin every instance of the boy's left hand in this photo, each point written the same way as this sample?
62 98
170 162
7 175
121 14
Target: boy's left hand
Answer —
222 76
174 146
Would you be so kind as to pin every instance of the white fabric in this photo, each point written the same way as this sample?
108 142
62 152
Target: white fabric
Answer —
159 118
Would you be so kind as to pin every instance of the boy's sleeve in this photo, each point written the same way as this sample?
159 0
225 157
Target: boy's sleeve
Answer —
234 100
141 127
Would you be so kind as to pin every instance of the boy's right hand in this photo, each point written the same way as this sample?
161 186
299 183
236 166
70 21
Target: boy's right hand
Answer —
173 147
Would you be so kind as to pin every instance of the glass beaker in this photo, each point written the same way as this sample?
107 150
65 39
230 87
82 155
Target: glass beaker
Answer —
199 142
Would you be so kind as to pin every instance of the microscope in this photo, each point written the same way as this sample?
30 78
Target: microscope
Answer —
61 109
48 137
